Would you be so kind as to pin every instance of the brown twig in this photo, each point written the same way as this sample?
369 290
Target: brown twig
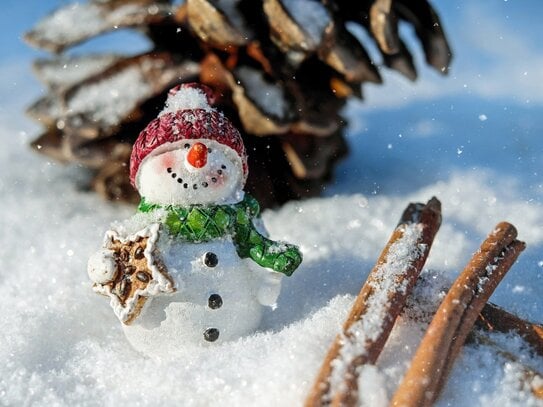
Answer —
456 316
379 302
494 318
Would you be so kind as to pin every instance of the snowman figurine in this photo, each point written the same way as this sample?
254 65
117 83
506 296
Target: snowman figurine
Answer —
194 265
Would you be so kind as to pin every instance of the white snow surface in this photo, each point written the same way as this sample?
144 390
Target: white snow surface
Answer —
61 344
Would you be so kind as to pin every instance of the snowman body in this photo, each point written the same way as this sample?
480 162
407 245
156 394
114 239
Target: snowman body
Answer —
215 299
195 265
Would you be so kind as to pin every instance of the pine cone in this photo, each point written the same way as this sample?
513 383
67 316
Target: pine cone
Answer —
284 69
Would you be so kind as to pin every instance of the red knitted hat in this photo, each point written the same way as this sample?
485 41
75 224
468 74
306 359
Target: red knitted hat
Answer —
188 115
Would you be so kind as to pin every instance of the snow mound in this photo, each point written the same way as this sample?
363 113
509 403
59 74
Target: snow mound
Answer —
62 345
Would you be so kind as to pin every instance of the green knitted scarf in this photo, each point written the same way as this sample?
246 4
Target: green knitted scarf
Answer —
202 223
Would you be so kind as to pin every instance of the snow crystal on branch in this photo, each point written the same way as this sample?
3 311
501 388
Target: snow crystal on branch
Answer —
73 21
67 71
268 96
110 100
386 281
77 22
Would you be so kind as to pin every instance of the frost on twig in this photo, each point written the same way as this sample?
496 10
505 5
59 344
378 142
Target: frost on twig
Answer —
456 317
380 301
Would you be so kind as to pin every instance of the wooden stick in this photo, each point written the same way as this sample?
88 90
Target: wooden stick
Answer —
456 316
494 318
379 302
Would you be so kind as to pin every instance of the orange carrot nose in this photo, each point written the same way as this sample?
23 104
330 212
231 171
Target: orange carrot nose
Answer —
197 156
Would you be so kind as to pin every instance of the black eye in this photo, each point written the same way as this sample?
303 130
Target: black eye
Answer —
223 167
187 145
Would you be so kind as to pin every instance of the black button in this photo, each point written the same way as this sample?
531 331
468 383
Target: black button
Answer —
211 334
211 259
214 301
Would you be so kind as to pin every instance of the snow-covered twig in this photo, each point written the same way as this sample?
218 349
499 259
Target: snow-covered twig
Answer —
494 318
456 316
380 301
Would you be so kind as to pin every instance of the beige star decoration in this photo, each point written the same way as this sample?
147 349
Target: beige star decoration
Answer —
139 272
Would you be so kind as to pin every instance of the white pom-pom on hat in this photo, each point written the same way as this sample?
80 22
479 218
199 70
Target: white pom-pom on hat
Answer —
189 96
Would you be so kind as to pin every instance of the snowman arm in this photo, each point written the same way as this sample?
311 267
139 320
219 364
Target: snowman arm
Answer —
277 256
101 266
268 285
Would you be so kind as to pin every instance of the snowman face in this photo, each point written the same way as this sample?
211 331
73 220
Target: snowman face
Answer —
189 172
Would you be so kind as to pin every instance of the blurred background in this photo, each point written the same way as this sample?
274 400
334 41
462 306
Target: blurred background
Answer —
484 114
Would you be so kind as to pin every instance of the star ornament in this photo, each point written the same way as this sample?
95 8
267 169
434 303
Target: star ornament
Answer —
132 271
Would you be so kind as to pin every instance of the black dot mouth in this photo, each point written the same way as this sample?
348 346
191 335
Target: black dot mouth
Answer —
174 175
179 180
219 172
205 184
195 186
185 185
213 179
169 169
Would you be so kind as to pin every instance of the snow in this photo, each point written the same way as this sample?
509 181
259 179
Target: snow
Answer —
110 100
385 283
64 24
62 345
79 21
64 72
268 97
